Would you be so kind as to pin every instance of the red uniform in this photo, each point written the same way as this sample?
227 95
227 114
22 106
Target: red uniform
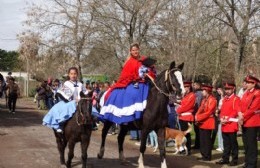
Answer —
205 113
186 108
250 103
229 110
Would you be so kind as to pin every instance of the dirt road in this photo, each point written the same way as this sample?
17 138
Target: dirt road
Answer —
25 143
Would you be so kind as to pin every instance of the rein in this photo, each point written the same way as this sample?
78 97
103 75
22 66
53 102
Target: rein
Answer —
167 76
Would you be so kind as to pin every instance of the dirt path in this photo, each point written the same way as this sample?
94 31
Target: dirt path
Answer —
25 143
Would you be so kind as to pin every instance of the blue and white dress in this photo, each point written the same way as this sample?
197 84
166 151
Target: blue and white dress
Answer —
63 111
126 104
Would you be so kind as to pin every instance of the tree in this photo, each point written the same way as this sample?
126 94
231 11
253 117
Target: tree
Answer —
9 60
243 18
63 25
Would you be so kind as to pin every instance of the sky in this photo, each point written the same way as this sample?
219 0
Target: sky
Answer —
12 14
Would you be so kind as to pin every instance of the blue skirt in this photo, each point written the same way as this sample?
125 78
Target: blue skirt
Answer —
59 113
125 104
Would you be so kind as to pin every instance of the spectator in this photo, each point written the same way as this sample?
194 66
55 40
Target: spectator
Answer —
198 92
13 93
49 96
220 97
55 86
42 96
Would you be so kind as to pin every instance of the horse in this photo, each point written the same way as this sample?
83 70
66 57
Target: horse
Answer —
155 116
76 129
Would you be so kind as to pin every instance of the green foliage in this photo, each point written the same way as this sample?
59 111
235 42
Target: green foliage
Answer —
8 60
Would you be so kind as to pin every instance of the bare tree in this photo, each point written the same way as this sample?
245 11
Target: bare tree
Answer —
65 25
243 18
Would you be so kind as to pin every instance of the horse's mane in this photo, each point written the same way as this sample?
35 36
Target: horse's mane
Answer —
160 78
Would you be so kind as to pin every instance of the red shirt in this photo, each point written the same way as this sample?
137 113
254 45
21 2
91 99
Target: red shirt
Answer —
229 109
205 113
186 108
250 103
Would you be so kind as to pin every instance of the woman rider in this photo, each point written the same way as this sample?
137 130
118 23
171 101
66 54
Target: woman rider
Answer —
126 100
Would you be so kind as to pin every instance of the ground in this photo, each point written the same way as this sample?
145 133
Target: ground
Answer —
25 143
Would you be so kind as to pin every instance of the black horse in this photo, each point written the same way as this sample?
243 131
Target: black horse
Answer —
155 117
76 129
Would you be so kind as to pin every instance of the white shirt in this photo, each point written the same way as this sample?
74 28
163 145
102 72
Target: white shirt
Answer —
73 89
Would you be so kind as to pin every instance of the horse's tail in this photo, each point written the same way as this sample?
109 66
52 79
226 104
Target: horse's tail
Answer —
188 130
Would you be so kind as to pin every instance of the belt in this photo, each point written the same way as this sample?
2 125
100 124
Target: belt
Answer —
185 114
233 119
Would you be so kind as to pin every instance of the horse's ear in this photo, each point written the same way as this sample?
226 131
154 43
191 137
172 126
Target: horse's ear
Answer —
90 94
82 94
172 65
180 67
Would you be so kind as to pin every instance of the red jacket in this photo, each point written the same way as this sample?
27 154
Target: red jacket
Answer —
130 74
186 108
205 113
250 103
229 109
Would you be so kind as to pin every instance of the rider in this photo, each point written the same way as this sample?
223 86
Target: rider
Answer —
69 94
126 100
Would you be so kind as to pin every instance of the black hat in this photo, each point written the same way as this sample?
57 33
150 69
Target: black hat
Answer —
148 62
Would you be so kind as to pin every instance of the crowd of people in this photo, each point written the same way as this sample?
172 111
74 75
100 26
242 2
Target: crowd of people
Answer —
213 111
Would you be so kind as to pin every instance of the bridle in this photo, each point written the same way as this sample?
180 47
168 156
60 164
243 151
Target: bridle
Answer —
79 112
167 80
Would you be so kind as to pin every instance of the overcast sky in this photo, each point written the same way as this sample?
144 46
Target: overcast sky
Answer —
11 16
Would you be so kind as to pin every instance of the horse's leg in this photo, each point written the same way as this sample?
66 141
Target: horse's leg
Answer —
105 129
144 135
85 139
161 142
121 139
61 147
71 153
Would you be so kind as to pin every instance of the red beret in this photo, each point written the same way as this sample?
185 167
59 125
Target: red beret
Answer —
251 79
187 84
229 85
207 87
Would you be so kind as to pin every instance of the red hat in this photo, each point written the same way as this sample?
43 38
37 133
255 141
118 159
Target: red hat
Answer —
187 84
207 87
251 79
229 85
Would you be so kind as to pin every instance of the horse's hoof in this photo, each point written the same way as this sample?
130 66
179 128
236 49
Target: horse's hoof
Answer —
99 156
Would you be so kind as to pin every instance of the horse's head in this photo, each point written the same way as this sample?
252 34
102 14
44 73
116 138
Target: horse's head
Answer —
174 79
84 109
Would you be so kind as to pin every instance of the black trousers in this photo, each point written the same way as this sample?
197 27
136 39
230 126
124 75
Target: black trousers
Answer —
197 136
250 145
215 131
184 126
205 143
12 98
230 146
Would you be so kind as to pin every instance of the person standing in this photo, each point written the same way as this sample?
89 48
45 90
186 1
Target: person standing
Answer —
185 111
249 118
206 122
198 93
228 119
217 131
13 92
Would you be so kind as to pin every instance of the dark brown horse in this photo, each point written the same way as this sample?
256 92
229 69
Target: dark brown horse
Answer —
155 116
76 129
